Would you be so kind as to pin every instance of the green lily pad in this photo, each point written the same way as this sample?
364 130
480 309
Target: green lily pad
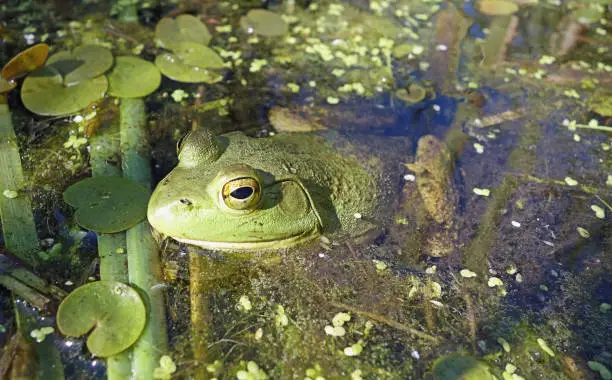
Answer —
108 204
6 86
194 54
133 77
587 15
601 103
414 94
264 23
452 367
171 32
497 7
85 62
174 68
113 312
43 92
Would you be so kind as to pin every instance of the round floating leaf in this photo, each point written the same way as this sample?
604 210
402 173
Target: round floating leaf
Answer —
113 310
107 204
174 68
6 86
171 32
198 55
44 93
84 63
497 7
264 23
192 29
414 94
587 15
25 62
133 77
452 367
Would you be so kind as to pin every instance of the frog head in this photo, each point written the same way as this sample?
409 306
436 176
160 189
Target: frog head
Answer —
224 195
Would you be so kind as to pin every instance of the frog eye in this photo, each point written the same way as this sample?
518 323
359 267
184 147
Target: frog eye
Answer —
241 193
181 142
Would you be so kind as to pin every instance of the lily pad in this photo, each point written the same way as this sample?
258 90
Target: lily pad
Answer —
85 62
25 62
133 77
587 15
43 92
171 32
264 23
174 68
6 86
194 54
497 7
601 103
413 95
452 367
113 312
108 204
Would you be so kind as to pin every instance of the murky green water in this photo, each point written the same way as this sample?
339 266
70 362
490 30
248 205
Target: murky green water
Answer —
494 246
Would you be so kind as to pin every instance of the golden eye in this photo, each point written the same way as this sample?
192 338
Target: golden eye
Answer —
241 193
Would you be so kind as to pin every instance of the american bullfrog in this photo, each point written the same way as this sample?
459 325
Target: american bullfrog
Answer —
234 192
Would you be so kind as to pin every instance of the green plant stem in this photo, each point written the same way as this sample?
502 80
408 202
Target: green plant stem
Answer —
17 221
129 14
143 257
597 128
105 149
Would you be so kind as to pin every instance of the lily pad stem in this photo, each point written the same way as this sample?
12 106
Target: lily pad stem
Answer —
105 148
143 257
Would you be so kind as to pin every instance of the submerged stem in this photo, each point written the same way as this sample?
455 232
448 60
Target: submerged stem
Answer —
143 258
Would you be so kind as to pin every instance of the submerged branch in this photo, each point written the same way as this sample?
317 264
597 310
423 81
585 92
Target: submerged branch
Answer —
387 321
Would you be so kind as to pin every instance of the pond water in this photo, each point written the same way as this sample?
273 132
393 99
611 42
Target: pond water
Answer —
446 164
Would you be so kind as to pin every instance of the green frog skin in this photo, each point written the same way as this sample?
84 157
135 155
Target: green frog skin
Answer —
233 192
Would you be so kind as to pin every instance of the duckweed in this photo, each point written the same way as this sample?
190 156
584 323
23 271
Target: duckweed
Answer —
544 346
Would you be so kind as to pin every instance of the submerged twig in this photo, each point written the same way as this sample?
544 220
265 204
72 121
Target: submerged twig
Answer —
385 320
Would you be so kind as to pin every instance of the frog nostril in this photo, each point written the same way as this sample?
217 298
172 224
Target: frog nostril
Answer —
186 201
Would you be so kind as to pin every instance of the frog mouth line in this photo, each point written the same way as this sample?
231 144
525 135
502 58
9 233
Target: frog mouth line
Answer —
255 245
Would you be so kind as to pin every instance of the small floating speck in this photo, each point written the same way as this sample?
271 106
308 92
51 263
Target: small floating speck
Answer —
332 100
441 47
583 232
570 181
600 213
504 343
545 347
482 192
436 107
494 281
479 148
409 177
357 215
10 194
467 273
515 224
